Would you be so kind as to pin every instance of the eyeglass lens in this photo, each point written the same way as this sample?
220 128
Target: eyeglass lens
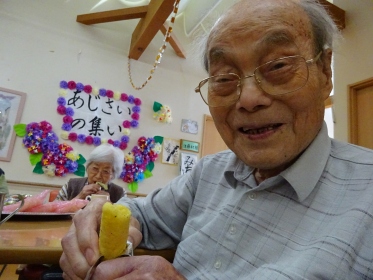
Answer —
275 77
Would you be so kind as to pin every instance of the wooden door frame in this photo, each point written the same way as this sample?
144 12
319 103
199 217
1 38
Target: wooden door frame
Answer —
352 107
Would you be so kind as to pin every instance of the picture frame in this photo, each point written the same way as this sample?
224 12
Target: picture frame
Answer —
191 146
187 162
12 104
171 151
189 126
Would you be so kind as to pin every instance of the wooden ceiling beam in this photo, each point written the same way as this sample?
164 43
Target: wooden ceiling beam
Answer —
114 15
338 15
153 18
174 42
147 28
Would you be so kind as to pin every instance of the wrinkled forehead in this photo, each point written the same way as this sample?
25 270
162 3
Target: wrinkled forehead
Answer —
265 22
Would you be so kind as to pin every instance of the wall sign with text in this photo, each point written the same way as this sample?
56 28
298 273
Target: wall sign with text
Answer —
189 146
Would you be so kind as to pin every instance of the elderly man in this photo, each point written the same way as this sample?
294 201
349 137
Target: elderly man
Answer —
287 202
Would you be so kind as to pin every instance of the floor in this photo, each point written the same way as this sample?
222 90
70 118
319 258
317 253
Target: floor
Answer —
9 273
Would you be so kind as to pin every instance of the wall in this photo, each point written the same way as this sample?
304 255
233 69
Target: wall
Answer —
353 61
41 44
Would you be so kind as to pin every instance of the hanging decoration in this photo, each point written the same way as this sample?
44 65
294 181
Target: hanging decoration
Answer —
139 163
158 58
162 113
48 156
95 116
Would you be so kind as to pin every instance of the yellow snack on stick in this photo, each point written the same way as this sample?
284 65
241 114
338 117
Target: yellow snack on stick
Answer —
102 185
115 222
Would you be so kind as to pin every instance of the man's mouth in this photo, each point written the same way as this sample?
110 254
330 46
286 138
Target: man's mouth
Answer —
261 130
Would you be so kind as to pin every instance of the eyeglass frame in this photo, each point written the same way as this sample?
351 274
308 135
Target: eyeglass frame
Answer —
239 83
99 171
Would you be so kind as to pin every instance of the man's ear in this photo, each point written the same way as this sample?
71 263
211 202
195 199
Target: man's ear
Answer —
326 79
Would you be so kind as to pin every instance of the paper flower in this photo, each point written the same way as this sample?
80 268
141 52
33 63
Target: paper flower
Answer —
139 163
48 156
162 113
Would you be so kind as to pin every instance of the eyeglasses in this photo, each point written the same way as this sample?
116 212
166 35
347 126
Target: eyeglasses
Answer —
275 77
95 170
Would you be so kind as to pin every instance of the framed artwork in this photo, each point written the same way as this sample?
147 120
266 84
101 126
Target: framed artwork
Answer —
187 162
11 108
189 145
171 151
189 126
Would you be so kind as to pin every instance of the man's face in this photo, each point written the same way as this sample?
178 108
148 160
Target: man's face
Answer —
268 132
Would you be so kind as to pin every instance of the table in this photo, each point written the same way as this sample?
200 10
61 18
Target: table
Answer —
38 241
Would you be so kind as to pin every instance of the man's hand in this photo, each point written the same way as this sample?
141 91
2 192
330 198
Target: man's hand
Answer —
80 244
137 268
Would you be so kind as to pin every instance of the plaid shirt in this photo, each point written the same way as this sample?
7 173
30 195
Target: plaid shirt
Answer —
312 221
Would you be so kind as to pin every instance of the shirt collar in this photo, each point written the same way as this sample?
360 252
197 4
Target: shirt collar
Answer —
303 175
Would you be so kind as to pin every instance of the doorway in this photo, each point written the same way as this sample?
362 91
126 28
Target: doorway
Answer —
361 113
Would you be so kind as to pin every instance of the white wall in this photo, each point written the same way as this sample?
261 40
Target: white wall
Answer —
41 44
353 61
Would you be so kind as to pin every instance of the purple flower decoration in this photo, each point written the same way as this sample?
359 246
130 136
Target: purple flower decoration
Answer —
69 111
136 109
131 99
116 143
80 86
61 101
96 141
81 138
102 92
66 126
72 166
134 123
125 139
63 84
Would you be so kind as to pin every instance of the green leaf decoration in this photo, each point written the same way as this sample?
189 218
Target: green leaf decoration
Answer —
133 187
158 139
150 166
36 158
20 129
148 174
157 106
81 159
38 168
80 171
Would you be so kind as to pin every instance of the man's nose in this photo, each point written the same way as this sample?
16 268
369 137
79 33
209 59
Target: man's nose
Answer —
252 97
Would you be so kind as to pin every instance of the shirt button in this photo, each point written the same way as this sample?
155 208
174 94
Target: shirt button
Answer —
252 196
232 230
217 264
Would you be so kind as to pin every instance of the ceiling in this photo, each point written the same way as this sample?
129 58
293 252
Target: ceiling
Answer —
192 13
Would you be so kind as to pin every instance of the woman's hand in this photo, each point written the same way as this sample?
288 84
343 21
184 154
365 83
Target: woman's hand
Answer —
80 244
88 190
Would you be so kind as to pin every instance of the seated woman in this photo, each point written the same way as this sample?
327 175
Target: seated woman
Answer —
103 165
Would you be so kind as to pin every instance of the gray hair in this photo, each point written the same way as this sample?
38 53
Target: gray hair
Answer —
325 31
108 153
